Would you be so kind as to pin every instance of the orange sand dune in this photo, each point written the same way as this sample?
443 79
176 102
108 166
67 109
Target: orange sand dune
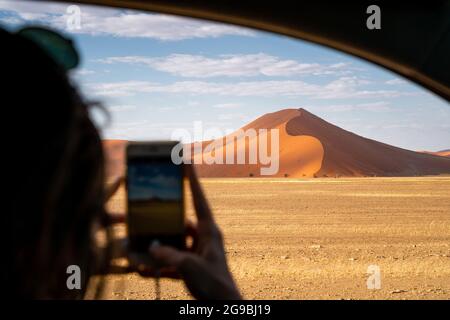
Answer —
308 146
442 153
115 157
293 164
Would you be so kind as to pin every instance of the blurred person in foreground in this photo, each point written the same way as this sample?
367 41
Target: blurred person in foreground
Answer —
55 195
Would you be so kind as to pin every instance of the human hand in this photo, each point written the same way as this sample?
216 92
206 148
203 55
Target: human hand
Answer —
204 267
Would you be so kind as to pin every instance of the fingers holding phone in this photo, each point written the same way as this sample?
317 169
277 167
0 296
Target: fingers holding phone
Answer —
204 268
155 201
155 196
157 229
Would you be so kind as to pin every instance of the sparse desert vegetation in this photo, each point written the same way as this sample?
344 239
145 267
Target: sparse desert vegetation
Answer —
315 238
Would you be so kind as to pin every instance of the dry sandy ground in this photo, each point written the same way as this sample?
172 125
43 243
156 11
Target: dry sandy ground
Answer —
315 238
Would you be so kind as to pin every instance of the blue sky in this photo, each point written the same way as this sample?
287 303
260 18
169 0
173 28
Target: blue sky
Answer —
148 181
157 73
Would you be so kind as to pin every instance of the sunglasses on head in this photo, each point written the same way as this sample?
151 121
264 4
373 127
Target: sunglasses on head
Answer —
61 49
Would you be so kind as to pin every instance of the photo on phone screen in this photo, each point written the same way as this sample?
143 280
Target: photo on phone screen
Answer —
155 198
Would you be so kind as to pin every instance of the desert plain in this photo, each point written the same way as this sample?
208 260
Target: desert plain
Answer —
312 238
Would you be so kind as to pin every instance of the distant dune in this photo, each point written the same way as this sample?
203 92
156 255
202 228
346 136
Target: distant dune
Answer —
310 146
115 157
442 153
299 155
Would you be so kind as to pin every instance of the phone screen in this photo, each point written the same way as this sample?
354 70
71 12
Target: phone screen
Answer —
155 202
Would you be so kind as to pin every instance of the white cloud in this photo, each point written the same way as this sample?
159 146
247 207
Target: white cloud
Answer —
142 130
117 22
230 65
168 108
232 116
403 126
82 72
379 106
33 9
227 105
395 81
10 20
122 108
344 87
119 89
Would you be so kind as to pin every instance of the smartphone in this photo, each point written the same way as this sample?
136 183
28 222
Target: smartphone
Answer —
155 196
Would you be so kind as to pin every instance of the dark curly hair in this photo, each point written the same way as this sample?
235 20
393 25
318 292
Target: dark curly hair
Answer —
54 175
